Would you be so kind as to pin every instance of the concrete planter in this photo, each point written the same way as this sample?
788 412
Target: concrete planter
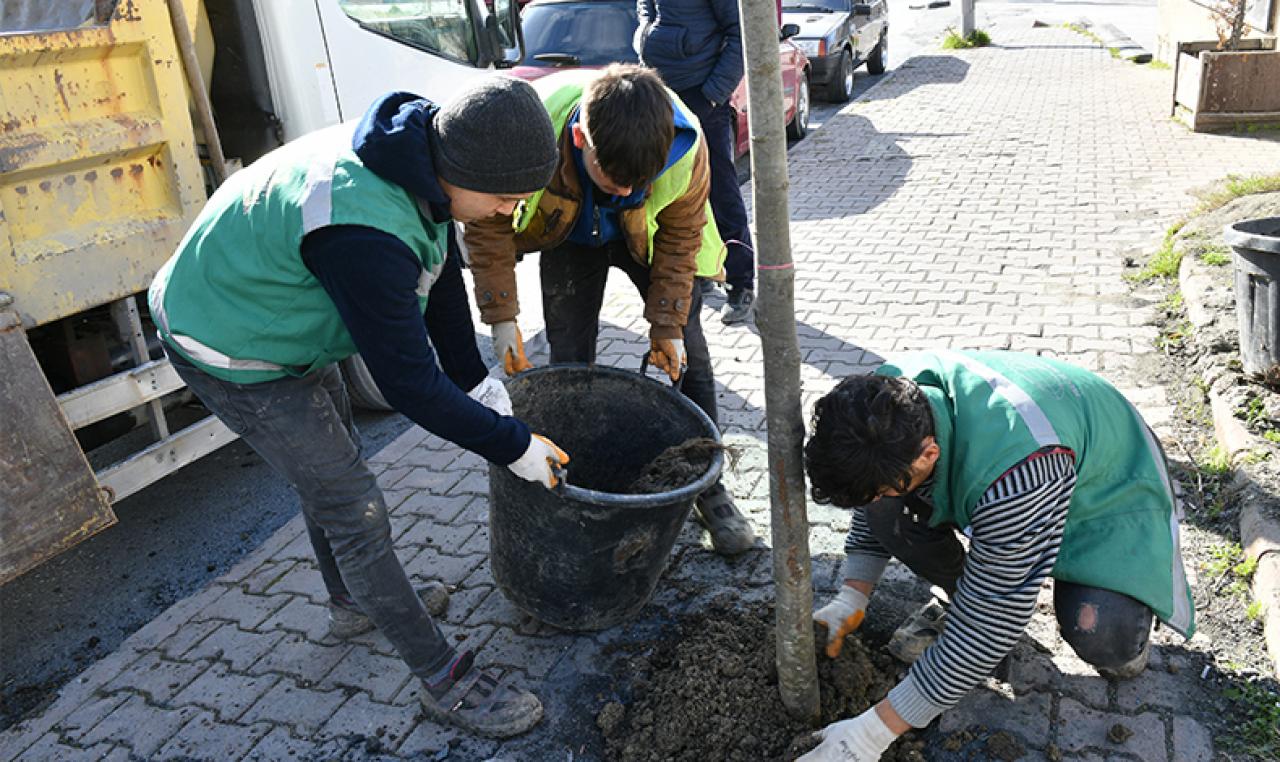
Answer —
1217 89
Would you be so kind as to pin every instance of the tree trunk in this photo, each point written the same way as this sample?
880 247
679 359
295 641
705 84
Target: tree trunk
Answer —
775 318
966 18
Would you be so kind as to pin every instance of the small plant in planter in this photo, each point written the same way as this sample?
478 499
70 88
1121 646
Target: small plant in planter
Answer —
1229 82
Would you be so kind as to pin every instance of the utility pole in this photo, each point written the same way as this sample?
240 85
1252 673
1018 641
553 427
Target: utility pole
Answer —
776 320
966 18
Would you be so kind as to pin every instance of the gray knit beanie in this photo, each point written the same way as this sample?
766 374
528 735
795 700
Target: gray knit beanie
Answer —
495 137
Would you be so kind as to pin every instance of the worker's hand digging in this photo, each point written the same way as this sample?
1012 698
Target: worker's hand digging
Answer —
842 615
539 462
668 356
508 344
862 739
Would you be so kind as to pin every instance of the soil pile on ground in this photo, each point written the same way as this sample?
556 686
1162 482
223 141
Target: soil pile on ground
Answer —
676 466
711 692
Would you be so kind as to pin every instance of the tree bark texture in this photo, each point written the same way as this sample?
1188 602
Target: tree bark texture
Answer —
775 319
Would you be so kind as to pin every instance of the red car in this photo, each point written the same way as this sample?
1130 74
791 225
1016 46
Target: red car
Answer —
567 34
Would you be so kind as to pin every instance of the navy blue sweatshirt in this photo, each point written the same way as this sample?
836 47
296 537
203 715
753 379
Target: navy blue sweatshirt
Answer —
371 277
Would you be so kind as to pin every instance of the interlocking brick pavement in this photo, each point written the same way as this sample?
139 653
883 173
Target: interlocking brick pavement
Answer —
973 199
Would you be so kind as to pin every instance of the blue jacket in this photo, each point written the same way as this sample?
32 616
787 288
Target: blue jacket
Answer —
692 43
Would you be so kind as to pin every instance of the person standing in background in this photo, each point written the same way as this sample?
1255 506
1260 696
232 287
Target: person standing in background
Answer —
696 45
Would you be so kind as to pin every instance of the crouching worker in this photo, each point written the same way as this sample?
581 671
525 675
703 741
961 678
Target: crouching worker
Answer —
1048 469
335 244
630 192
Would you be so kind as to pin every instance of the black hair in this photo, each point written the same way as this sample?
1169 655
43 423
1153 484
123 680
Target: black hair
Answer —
866 434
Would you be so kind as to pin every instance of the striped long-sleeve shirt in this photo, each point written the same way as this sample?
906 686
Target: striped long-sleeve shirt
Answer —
1015 534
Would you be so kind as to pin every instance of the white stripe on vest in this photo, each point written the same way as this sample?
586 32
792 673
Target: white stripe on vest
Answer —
1035 419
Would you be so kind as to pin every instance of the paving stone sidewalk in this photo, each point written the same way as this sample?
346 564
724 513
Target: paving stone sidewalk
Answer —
974 199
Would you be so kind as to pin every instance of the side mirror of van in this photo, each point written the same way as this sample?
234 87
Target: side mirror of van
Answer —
788 31
499 40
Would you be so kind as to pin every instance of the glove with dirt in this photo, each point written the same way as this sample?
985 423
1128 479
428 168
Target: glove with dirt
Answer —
842 615
668 356
539 462
492 394
508 344
861 739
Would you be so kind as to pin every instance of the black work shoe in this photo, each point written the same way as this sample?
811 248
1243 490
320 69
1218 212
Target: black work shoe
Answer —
739 306
731 533
346 620
481 701
1129 669
919 632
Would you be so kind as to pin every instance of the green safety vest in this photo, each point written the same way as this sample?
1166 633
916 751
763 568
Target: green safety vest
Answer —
236 298
561 93
993 409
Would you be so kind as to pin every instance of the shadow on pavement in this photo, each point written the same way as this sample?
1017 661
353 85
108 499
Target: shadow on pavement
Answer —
916 72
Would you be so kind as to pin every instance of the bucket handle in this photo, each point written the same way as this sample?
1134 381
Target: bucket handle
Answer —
562 478
677 384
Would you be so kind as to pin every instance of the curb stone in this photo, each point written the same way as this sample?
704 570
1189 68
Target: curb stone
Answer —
1259 533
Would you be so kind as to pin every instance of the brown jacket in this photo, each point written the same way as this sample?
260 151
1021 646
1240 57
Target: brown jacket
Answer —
492 244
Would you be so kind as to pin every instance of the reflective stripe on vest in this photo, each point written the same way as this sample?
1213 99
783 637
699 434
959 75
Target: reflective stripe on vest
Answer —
1034 418
1181 617
199 351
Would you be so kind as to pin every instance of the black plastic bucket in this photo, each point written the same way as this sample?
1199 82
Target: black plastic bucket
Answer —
587 557
1256 244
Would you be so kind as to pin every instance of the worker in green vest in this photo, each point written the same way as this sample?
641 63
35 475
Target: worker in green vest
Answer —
342 241
630 192
1051 473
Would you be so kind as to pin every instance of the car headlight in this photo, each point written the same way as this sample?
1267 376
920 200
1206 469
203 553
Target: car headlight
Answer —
810 47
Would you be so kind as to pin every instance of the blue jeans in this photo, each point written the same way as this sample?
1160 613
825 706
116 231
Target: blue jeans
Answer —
302 428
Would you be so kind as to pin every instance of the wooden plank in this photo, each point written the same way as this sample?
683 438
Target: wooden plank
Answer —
162 458
1186 90
1241 82
49 499
119 393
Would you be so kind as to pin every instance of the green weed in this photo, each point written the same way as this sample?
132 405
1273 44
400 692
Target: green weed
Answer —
1158 65
1254 611
1164 264
1234 187
1228 561
1254 457
1216 256
1255 412
1255 728
1272 436
1217 462
955 41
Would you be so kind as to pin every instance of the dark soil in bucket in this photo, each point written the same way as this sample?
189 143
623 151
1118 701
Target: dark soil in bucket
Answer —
676 466
711 692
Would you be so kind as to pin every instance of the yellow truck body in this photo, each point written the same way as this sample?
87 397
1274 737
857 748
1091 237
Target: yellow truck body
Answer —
99 180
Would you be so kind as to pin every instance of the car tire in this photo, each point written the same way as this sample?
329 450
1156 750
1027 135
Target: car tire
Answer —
876 61
364 393
799 126
840 89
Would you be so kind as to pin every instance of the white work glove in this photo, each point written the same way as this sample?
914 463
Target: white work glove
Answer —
667 355
508 344
492 393
842 615
862 739
535 465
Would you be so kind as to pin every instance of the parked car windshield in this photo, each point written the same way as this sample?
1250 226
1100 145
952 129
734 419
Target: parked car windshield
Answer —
831 6
581 34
